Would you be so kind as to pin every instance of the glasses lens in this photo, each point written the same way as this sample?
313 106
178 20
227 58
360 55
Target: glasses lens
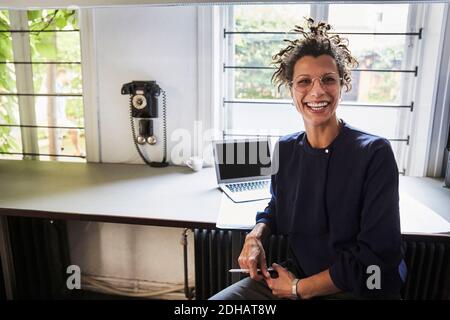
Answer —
329 80
304 83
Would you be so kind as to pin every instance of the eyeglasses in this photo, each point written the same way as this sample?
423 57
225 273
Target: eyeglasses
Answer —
305 83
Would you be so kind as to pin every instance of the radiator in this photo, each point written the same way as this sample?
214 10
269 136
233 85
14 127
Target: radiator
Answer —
40 253
2 284
427 258
214 256
428 261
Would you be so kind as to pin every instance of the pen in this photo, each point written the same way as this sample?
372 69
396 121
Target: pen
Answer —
248 270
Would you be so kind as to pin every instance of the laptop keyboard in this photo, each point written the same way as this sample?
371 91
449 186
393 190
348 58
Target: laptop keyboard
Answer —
248 186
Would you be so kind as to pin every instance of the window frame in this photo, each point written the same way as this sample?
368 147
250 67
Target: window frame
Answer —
25 84
89 74
412 163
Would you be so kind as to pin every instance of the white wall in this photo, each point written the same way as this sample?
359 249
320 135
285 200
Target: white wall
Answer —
144 44
119 251
148 43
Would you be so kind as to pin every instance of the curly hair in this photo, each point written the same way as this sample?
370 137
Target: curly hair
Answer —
315 42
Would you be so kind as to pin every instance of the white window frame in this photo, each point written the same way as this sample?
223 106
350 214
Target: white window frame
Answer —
431 56
24 83
89 74
437 160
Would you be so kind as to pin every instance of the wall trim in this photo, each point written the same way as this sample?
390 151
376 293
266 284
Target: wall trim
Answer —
425 99
90 85
440 127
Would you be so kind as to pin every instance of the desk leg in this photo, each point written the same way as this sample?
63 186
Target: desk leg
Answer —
7 259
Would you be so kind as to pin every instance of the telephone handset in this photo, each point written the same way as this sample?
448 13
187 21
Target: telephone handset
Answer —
144 107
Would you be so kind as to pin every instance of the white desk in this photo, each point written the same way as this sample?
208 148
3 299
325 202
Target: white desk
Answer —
172 196
121 193
418 213
132 194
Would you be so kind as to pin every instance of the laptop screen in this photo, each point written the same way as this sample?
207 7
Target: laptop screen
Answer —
242 159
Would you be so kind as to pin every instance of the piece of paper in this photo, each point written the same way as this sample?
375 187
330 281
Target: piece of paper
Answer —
238 215
415 217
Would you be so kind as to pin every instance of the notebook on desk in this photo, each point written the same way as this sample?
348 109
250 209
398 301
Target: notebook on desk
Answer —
243 168
238 216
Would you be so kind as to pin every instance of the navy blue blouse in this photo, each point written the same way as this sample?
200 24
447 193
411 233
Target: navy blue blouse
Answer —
340 207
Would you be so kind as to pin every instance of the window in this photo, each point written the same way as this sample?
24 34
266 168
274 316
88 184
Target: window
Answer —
380 101
41 105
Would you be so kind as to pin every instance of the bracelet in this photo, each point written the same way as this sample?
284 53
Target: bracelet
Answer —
294 288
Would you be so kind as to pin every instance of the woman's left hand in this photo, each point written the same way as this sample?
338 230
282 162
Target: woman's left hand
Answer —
281 286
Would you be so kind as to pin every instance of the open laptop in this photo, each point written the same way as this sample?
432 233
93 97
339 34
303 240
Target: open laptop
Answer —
243 168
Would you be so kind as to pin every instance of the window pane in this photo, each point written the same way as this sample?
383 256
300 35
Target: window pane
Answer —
7 71
54 46
63 78
7 77
10 141
368 17
379 121
375 87
68 142
9 110
258 49
400 149
57 78
263 119
6 53
269 17
378 51
68 111
256 84
374 51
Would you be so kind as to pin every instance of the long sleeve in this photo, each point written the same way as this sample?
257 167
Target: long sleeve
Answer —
378 242
268 215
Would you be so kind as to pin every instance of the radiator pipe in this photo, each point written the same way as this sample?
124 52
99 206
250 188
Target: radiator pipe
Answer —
188 292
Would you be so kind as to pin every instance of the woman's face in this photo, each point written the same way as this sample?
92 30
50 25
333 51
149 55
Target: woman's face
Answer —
316 89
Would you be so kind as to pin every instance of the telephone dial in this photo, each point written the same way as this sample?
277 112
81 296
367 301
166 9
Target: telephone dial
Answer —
144 96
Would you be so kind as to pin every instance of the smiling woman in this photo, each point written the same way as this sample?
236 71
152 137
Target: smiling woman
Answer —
316 55
335 193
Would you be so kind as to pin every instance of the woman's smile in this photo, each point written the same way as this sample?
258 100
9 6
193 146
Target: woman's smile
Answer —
317 107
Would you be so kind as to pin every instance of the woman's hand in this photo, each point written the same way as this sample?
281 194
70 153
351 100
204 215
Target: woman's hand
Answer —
253 256
281 286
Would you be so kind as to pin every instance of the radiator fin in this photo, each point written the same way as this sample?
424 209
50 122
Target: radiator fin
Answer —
40 253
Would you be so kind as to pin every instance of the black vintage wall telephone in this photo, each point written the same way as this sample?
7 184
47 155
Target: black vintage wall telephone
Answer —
144 106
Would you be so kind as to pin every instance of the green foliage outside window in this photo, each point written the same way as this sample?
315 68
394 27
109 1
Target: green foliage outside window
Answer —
7 84
258 49
45 47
